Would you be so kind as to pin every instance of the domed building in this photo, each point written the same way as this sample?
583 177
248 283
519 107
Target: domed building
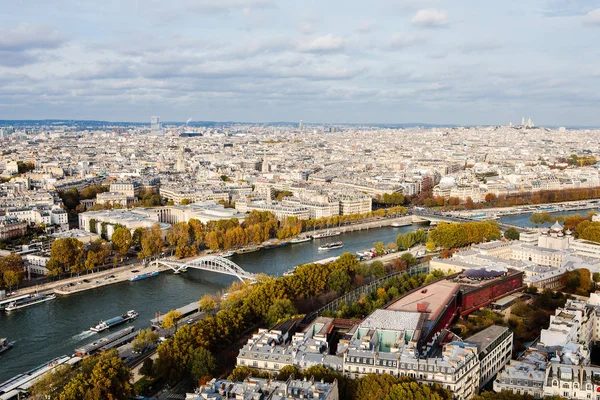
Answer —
554 238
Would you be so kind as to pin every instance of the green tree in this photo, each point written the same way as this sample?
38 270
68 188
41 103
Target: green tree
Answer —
93 226
202 363
512 234
185 202
121 240
170 320
136 238
339 281
281 309
287 371
411 261
147 367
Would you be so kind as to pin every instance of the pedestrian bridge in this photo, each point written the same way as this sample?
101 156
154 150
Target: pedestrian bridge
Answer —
423 216
220 265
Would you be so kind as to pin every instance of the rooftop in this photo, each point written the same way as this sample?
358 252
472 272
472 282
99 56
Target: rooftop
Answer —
430 299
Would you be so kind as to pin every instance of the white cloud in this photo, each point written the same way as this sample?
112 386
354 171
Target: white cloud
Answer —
399 41
430 18
592 17
28 37
366 27
327 43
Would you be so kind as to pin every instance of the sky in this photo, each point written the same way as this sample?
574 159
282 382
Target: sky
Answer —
461 62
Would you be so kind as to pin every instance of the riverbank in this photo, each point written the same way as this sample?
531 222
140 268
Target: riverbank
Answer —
378 223
565 206
103 279
65 287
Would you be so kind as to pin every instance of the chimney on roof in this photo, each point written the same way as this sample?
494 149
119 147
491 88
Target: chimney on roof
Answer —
421 307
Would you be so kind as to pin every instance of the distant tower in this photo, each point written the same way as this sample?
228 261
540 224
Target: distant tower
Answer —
180 161
523 121
265 165
156 127
301 126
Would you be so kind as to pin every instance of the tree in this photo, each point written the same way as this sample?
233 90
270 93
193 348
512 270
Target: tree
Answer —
379 248
410 259
339 281
512 234
98 250
145 339
180 238
280 310
11 278
66 254
147 367
202 363
207 303
93 226
51 385
12 261
136 238
170 320
104 377
152 242
287 371
121 240
185 202
490 197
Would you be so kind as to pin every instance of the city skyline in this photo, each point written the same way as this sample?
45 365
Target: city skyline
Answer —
428 62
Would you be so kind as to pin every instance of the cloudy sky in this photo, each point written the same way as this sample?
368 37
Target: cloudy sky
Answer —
384 61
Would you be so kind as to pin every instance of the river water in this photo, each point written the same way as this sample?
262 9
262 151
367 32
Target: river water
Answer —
523 219
57 327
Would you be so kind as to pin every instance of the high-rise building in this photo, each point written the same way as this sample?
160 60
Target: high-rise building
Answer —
156 127
301 126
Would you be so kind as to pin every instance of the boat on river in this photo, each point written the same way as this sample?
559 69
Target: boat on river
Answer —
5 345
331 246
109 323
326 234
247 250
29 301
301 240
143 276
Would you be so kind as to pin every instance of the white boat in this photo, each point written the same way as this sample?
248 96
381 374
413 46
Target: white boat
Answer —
398 224
330 246
301 240
228 254
34 299
326 234
5 345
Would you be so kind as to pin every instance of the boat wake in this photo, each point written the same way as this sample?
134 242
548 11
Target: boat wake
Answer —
82 335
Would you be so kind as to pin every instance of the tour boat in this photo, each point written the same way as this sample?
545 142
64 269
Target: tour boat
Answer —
30 301
330 246
109 323
143 276
326 234
301 240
